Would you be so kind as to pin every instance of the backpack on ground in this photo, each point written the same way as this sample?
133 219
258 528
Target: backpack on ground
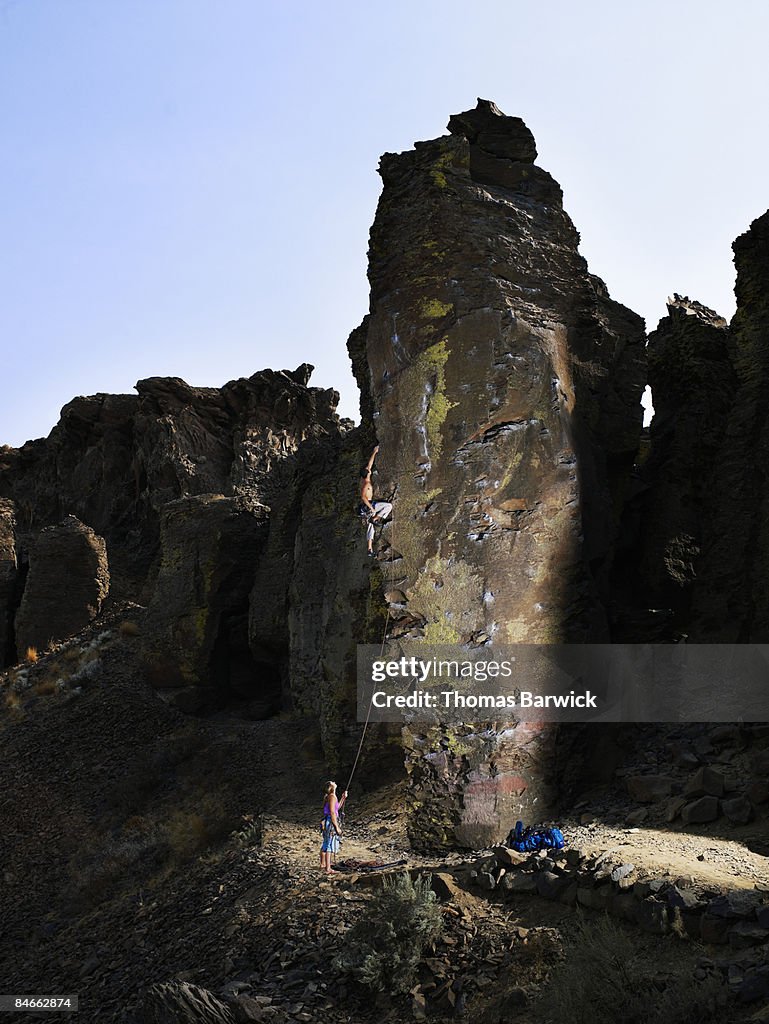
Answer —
535 837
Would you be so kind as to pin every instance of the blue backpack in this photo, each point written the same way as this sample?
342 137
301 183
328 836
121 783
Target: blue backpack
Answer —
535 837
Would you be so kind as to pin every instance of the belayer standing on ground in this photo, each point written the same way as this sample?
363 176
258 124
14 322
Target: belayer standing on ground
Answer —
371 510
332 827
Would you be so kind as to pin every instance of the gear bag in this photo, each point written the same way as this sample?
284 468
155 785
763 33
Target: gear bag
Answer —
535 837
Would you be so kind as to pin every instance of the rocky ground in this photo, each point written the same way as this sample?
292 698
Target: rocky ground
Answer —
143 847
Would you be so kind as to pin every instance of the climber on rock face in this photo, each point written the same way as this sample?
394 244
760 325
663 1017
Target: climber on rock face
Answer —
369 509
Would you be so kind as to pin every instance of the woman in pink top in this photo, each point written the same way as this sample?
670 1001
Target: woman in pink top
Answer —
332 827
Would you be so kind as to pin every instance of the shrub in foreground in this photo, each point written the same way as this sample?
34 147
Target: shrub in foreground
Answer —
384 948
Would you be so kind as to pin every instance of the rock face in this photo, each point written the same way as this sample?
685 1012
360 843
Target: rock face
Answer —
505 387
468 785
731 603
117 462
702 546
334 601
8 580
197 618
693 382
67 584
316 596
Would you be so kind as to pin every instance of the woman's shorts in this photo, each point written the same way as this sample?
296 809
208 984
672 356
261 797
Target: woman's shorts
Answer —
330 838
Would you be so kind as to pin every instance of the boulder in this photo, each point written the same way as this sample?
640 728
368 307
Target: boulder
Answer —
179 1002
648 788
595 899
675 806
705 781
740 904
738 811
509 858
683 899
638 816
67 584
523 881
622 871
754 985
745 934
699 811
551 885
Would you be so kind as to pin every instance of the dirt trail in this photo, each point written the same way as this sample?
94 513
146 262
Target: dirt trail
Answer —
712 862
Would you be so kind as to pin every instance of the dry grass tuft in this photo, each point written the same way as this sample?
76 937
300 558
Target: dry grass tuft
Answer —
187 834
32 655
12 700
46 687
677 925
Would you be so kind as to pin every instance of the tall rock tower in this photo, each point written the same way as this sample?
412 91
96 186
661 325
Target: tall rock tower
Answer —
504 388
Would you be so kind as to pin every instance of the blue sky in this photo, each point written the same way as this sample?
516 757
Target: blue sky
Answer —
188 185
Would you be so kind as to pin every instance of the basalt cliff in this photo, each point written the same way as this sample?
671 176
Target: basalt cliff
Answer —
504 387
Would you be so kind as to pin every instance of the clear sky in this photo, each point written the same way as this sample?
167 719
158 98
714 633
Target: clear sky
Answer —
188 185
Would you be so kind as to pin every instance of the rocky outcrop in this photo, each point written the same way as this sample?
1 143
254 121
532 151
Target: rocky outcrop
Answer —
605 884
505 388
312 537
67 584
703 546
730 600
693 382
117 461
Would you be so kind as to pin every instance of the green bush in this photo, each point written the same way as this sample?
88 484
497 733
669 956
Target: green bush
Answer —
384 948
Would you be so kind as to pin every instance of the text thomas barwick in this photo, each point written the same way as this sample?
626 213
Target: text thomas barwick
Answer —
454 699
